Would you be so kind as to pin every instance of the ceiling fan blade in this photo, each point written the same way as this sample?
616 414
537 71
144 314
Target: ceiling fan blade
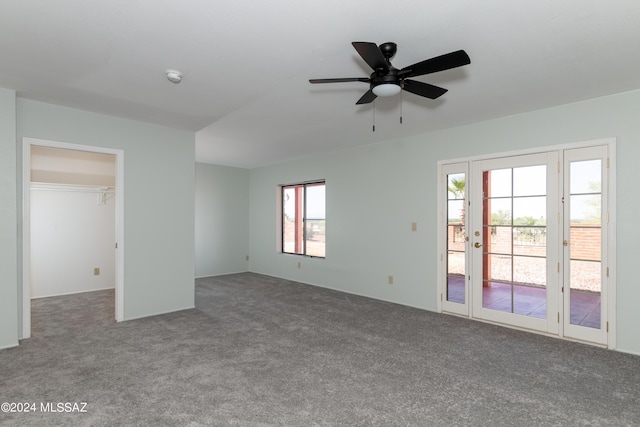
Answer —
424 89
367 98
347 79
372 55
439 63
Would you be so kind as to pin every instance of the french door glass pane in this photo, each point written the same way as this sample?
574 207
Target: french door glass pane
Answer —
530 181
585 176
456 233
530 271
530 241
529 210
500 210
530 301
585 293
455 212
514 241
511 298
585 237
455 288
585 209
497 296
498 239
500 267
499 181
585 243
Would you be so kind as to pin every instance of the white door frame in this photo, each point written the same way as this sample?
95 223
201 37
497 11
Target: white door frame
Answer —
27 143
610 143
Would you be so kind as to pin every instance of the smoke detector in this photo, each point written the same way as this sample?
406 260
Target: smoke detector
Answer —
174 76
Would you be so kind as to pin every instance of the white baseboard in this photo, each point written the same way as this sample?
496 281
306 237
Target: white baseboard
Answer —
73 293
158 313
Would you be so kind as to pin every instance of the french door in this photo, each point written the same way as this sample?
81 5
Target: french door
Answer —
525 241
585 257
514 208
455 298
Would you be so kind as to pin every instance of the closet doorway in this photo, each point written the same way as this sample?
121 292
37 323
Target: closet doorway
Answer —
72 224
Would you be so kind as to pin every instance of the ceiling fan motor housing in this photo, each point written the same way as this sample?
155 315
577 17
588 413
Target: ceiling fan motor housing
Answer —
380 77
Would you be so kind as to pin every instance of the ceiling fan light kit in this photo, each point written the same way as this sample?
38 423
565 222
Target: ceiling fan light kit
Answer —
386 89
386 80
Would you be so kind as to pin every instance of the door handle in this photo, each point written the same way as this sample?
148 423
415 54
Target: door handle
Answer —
477 244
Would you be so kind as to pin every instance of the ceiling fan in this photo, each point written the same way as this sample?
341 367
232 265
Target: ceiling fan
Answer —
386 80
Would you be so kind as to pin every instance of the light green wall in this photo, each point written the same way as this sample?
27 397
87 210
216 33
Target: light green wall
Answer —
222 218
374 193
159 187
8 221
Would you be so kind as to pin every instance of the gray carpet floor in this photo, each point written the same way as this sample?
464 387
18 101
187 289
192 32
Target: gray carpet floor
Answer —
261 351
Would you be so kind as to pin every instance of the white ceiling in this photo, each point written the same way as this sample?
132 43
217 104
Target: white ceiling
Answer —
246 64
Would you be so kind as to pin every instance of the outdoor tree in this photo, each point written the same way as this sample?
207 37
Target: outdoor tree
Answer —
457 189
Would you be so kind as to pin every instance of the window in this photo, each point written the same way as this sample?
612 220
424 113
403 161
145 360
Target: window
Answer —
303 219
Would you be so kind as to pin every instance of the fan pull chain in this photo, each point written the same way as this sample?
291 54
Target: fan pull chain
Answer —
402 86
374 116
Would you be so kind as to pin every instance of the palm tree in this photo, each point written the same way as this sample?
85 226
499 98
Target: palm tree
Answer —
457 187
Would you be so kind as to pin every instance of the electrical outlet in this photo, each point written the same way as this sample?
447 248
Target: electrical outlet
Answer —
246 258
299 264
391 280
414 226
96 271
